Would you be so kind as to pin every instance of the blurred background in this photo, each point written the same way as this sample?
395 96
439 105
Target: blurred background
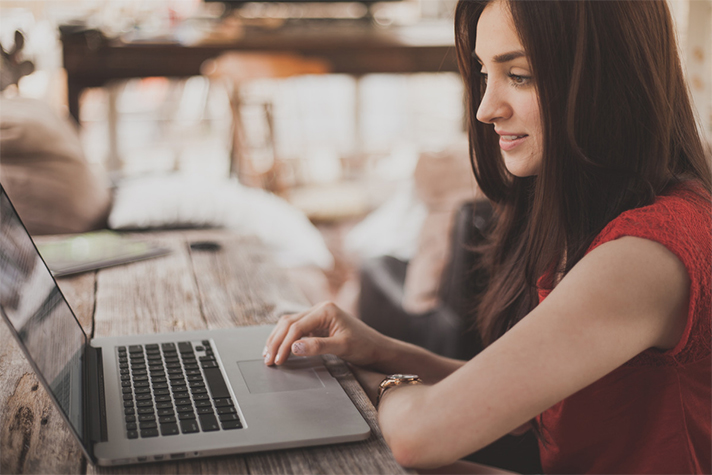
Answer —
330 106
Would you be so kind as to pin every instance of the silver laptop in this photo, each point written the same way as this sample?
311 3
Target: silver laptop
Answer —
148 398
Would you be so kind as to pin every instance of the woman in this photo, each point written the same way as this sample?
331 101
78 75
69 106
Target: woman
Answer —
598 312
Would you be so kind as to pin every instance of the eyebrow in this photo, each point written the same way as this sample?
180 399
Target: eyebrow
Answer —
502 58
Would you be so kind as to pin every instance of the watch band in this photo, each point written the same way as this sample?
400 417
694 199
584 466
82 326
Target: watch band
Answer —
396 380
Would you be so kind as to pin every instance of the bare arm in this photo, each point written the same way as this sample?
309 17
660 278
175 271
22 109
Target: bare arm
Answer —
623 298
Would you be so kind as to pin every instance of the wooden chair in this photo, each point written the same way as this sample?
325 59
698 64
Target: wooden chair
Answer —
235 69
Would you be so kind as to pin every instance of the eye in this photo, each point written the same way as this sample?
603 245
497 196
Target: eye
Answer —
519 80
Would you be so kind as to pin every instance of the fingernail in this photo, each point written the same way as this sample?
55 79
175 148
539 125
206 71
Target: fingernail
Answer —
276 360
299 348
264 352
267 358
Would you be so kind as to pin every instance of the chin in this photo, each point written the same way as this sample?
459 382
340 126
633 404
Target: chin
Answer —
522 168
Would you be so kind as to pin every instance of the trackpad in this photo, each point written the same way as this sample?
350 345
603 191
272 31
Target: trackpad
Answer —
293 376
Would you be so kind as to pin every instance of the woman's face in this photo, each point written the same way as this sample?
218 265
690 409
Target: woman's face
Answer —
510 102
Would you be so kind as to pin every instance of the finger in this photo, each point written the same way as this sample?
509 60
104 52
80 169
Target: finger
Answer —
311 322
311 346
277 336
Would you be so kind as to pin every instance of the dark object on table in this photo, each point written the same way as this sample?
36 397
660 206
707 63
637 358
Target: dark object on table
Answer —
211 246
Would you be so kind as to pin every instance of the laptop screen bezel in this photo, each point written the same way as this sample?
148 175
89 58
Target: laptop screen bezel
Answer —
86 446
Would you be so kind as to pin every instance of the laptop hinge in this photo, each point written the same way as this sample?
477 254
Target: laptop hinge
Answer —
95 410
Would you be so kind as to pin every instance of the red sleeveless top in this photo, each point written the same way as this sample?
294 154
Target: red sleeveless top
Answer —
653 414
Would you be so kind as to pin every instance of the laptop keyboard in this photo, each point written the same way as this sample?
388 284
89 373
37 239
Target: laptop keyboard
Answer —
174 388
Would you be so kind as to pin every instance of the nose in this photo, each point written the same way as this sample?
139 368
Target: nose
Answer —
494 105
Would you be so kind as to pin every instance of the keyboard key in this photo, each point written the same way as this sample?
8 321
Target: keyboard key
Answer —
208 423
126 389
143 397
164 405
205 410
147 425
130 419
228 417
166 419
145 403
165 412
195 391
128 403
161 392
149 433
232 425
223 402
182 402
200 397
146 418
186 415
169 429
129 411
146 410
189 426
216 382
185 409
226 410
163 398
128 397
132 434
135 349
203 403
131 426
168 346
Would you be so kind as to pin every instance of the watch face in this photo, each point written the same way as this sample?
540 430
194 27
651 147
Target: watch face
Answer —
405 376
402 377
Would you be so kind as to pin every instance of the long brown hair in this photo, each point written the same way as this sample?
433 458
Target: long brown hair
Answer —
618 130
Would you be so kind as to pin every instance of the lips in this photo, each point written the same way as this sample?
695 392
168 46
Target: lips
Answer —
508 142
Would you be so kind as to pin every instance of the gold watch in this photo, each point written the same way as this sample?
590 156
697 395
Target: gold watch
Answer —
395 380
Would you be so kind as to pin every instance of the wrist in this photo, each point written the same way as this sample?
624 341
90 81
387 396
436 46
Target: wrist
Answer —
394 381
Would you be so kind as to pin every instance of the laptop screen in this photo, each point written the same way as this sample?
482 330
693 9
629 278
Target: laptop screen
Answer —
33 306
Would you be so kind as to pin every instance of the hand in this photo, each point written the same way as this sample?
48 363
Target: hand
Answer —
324 329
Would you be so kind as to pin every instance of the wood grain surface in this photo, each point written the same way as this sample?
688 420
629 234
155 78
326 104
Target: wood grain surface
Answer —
184 290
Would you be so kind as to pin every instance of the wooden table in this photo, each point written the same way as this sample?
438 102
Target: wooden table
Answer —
93 61
186 290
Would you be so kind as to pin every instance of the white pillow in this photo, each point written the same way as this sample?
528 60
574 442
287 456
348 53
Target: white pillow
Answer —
177 201
391 230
